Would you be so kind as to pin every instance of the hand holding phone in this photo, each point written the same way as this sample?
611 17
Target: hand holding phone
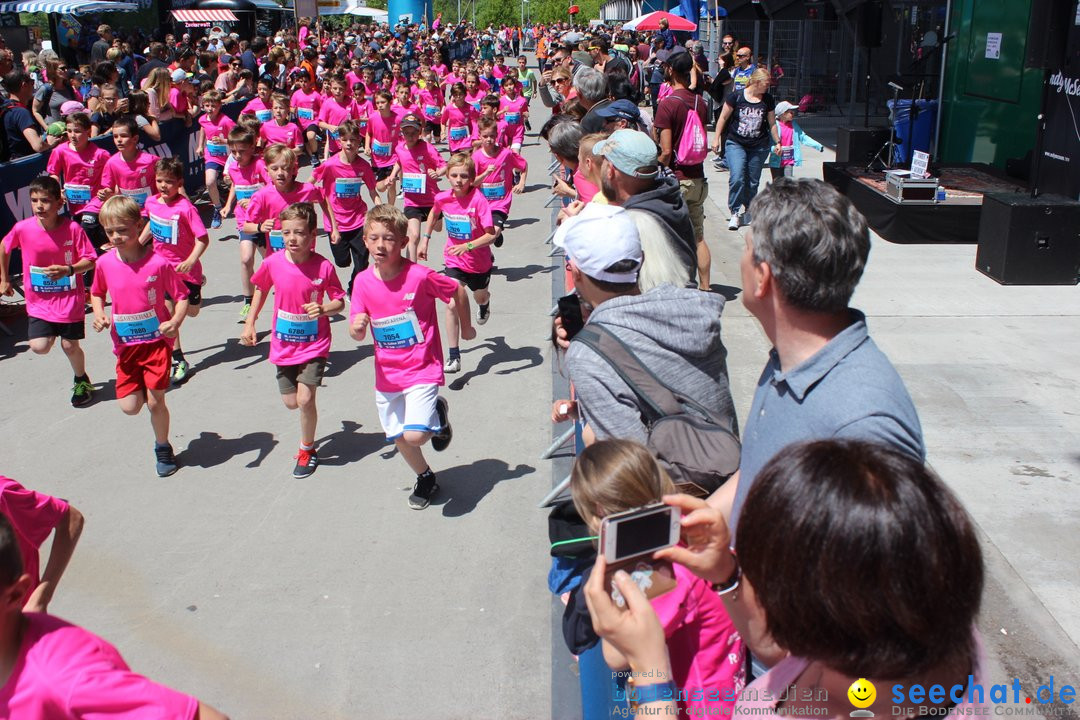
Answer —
570 315
628 541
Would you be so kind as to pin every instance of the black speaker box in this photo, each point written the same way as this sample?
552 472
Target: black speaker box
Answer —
1029 241
859 145
1048 29
869 28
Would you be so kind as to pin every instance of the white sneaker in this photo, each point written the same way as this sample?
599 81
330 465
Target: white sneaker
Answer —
453 365
483 312
733 223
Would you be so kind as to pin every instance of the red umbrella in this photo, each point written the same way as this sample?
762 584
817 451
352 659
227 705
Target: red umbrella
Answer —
651 21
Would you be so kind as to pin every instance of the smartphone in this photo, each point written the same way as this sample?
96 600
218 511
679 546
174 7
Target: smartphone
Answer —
547 66
640 532
570 314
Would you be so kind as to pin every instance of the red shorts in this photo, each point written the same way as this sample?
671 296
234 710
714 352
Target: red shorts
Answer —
145 366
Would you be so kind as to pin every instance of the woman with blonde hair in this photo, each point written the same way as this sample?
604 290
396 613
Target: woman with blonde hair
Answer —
157 87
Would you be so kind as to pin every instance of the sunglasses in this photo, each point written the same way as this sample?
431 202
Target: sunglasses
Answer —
560 80
740 55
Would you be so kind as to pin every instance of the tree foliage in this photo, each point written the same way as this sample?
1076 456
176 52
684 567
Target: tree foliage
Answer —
508 12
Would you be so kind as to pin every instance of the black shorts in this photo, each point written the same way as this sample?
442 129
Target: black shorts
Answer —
350 248
417 213
382 173
194 297
433 127
473 281
498 218
38 328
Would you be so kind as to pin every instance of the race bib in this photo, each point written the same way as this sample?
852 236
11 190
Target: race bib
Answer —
493 190
42 283
216 150
459 133
382 149
333 134
415 183
245 192
264 116
295 328
362 123
305 113
163 229
787 153
77 194
139 195
397 331
431 110
458 227
136 328
276 238
513 118
346 188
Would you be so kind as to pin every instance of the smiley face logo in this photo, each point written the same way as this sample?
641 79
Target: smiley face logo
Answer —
862 693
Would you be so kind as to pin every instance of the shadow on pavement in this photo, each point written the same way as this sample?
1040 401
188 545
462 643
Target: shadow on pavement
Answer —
15 343
232 351
348 445
501 353
730 292
461 488
222 300
210 449
520 222
521 273
341 360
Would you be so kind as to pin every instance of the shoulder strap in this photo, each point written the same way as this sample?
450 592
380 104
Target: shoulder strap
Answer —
659 398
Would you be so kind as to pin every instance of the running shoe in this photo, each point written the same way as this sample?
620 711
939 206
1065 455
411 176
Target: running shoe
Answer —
181 371
245 310
306 462
82 393
441 439
215 219
453 365
166 461
483 312
315 162
424 488
733 223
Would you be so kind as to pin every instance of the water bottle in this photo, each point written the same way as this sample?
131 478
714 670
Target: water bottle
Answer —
940 194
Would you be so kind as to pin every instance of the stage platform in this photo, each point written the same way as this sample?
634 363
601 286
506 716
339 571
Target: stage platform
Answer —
956 220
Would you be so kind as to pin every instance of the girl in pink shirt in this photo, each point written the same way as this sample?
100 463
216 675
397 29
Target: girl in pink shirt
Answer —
131 172
459 118
474 92
495 168
260 106
264 210
307 102
302 281
247 175
382 136
513 111
214 127
362 110
419 165
431 106
282 129
467 254
78 165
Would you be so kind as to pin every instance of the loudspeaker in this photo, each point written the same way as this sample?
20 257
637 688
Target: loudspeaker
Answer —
859 145
869 24
1029 241
1048 30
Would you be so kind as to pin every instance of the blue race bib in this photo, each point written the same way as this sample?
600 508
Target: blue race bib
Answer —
459 133
137 327
415 183
346 188
397 331
163 229
305 113
264 116
513 118
382 149
295 328
77 194
276 240
458 227
216 150
42 283
493 190
245 192
431 110
139 195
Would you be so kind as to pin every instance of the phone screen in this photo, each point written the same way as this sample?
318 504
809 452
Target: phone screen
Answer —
570 313
643 534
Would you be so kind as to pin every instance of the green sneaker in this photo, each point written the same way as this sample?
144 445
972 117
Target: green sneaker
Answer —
82 393
245 310
181 371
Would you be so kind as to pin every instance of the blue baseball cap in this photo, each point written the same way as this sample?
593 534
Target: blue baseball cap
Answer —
631 152
622 109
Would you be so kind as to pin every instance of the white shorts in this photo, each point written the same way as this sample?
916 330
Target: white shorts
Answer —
411 409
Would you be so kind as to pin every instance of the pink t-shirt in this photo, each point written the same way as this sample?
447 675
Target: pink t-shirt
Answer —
246 182
60 300
341 185
497 187
513 117
384 134
440 70
418 188
475 98
351 79
33 516
362 110
64 671
175 228
138 293
297 338
215 135
404 324
586 190
306 106
135 179
259 109
80 174
403 110
334 113
787 144
466 221
664 91
431 104
269 202
288 134
460 123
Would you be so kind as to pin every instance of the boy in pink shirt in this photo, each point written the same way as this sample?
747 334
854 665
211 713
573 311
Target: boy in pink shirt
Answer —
513 112
335 110
420 166
55 253
495 168
395 298
307 102
182 96
78 165
431 102
33 517
247 175
259 106
214 127
300 343
264 210
342 177
59 671
467 254
131 172
281 130
138 280
180 238
459 118
403 102
382 136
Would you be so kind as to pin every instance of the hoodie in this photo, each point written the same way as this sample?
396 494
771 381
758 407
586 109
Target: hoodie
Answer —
666 203
676 334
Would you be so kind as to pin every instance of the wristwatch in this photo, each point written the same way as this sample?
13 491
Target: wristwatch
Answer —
645 694
469 246
71 271
732 583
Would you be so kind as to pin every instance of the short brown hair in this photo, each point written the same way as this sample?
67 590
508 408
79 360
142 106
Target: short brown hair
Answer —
348 130
861 559
615 475
300 211
389 216
240 135
462 160
171 166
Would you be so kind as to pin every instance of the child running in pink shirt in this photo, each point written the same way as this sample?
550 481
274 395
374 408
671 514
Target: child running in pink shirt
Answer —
214 127
281 130
58 671
403 102
495 170
307 102
431 100
335 110
247 175
137 280
260 106
342 178
180 238
78 165
381 138
419 165
302 280
131 172
513 111
467 254
395 298
264 210
459 118
55 253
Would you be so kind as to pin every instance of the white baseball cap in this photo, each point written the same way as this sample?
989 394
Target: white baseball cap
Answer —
783 106
598 238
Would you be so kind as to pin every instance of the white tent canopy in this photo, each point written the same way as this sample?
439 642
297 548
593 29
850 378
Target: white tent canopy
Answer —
351 7
68 7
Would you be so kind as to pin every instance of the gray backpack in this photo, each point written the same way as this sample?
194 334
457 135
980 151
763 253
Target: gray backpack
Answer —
698 450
